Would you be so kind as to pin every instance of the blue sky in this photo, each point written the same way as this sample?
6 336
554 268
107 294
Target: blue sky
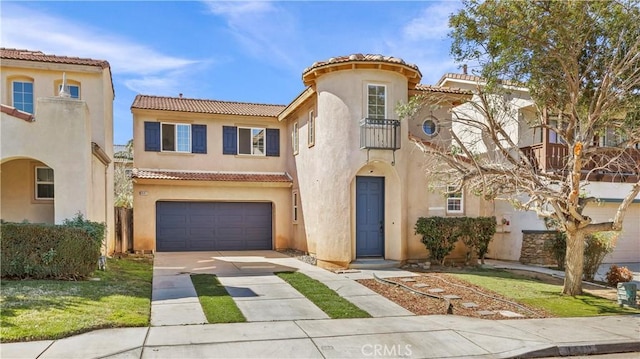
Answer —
235 51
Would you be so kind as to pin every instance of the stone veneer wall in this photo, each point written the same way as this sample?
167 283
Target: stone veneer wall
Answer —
533 248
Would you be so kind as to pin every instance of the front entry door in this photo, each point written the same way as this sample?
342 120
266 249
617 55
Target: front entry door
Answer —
370 216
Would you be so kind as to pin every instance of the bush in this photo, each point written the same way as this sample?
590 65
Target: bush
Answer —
38 251
476 234
439 235
617 275
597 246
558 248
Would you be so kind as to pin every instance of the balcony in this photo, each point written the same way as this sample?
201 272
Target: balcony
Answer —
553 157
379 134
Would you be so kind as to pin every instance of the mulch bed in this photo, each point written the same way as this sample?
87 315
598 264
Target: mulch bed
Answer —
422 305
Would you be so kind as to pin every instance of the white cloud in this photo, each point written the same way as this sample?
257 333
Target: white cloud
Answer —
432 23
264 30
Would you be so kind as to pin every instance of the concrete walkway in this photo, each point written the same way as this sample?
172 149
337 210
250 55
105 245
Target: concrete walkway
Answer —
283 324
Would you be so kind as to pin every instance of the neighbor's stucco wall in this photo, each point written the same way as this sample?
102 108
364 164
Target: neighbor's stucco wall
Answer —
147 193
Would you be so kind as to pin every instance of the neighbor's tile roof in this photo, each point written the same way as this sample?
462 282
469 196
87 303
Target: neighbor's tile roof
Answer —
182 104
473 78
210 176
39 56
12 111
361 58
443 89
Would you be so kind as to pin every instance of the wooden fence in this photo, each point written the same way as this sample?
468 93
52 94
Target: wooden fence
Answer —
124 230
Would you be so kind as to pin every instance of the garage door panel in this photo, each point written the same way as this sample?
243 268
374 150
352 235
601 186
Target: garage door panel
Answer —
182 226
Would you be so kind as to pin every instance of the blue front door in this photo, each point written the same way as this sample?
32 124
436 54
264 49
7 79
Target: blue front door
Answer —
370 216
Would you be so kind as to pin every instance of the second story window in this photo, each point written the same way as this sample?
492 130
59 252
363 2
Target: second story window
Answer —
311 134
251 141
73 90
176 137
455 201
376 101
295 138
23 96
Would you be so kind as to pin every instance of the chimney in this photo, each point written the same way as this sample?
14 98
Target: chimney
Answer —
180 95
464 69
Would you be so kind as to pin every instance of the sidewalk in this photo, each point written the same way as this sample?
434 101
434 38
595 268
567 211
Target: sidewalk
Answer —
284 324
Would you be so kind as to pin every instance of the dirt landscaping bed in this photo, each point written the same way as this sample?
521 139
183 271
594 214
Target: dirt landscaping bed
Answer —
474 301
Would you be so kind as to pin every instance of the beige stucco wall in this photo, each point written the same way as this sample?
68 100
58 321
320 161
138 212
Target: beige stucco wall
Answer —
147 192
17 193
213 160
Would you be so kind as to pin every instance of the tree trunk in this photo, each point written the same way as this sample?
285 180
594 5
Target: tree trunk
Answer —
574 263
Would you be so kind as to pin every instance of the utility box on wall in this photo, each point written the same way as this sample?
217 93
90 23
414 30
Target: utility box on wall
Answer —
504 223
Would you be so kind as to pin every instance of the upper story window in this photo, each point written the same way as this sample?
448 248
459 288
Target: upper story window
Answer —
430 126
455 201
44 183
251 141
176 137
376 101
611 138
23 95
73 90
554 137
295 139
311 134
294 206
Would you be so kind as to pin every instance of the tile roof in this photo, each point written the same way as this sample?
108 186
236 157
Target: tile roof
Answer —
473 78
211 176
361 58
39 56
182 104
443 89
12 111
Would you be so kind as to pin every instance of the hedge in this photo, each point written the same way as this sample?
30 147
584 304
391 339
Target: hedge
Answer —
41 251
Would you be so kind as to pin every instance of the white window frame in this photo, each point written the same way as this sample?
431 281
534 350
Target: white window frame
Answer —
294 206
451 199
386 95
175 137
311 131
609 135
36 183
264 150
295 138
13 93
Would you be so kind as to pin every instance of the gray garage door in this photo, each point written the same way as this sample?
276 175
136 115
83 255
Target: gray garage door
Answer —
212 226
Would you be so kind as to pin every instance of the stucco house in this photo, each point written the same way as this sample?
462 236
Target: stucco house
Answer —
56 135
334 173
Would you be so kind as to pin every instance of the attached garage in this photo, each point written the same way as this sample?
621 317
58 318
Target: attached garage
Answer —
213 226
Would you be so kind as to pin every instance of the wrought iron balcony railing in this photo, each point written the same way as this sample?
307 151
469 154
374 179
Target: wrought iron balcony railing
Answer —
379 134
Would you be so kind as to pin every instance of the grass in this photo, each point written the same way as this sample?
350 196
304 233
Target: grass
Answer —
322 296
53 309
536 293
217 304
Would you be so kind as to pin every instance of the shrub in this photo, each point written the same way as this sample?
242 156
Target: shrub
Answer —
617 275
597 246
49 251
558 248
439 235
476 234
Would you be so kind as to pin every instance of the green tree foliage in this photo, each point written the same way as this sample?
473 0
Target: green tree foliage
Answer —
580 61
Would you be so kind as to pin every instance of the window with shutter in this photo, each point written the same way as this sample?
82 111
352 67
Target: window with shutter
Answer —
229 140
152 136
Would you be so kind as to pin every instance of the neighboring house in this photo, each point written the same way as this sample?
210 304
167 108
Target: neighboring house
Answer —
123 157
56 138
546 149
333 173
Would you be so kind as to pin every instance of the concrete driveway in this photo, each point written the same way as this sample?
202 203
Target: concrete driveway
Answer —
249 278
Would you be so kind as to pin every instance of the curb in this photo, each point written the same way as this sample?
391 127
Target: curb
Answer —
583 349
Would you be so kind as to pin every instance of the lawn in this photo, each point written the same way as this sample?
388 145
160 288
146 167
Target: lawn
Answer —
539 294
52 309
217 304
322 296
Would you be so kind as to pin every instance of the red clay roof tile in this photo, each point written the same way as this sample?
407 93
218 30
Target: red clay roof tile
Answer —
181 104
39 56
12 111
360 58
443 89
210 176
